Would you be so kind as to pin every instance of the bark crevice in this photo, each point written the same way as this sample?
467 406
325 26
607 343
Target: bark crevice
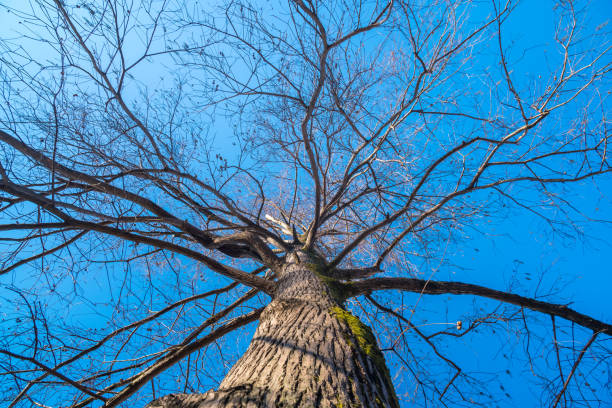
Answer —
307 351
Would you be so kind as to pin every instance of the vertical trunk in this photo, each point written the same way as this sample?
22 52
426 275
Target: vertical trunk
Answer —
307 352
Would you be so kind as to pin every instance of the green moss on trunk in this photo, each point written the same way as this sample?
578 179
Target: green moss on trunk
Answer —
339 291
366 342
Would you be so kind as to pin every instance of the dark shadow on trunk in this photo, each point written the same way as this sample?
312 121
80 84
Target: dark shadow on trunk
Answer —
307 351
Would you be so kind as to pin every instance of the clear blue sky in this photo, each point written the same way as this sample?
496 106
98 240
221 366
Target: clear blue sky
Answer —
517 252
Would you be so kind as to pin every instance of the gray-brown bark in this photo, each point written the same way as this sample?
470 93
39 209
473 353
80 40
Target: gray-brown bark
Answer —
307 351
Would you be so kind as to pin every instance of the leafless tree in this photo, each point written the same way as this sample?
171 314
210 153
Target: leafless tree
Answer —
172 171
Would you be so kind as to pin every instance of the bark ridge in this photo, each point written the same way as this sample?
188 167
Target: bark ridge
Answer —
308 351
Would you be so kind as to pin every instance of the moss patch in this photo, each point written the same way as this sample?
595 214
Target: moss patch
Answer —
366 342
339 291
362 333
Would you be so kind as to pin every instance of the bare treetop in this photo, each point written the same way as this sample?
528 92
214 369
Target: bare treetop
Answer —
195 153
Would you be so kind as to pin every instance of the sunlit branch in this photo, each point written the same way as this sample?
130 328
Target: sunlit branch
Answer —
574 367
425 338
48 205
136 382
116 332
43 253
54 373
202 237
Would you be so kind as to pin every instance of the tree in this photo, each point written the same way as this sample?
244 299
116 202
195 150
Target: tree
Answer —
356 141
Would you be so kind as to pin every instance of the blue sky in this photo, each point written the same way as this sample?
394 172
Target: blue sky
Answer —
514 252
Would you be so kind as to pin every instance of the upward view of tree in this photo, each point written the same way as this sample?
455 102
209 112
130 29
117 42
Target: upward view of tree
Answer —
181 181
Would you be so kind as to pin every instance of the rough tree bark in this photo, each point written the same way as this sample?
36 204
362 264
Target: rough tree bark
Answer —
308 351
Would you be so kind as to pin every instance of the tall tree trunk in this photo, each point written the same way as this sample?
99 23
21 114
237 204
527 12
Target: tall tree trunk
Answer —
308 351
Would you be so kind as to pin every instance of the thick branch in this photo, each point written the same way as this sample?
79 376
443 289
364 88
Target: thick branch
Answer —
203 237
135 325
47 204
180 353
460 288
352 273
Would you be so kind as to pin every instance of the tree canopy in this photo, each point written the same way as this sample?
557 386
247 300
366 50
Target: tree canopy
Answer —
160 160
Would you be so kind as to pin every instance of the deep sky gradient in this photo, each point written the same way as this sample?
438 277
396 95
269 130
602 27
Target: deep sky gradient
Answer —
514 253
